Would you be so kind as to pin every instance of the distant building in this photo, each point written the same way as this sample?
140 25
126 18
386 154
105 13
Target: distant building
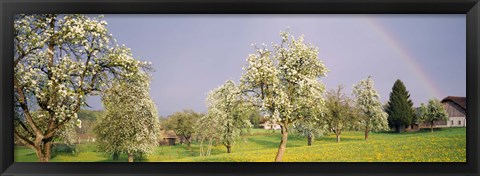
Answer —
413 127
270 125
168 137
457 111
456 108
82 138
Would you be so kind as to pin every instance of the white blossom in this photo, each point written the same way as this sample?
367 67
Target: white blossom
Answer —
131 121
284 81
58 80
367 99
228 112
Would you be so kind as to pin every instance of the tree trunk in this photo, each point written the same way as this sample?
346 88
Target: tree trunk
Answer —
309 139
338 137
48 148
431 127
283 144
188 143
366 133
40 155
228 148
115 156
44 153
130 157
201 147
209 150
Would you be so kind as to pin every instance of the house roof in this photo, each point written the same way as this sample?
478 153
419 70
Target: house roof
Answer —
168 134
460 101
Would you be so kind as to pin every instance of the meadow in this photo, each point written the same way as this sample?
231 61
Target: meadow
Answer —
444 145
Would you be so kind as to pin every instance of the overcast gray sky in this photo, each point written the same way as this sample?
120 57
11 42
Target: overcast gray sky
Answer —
193 54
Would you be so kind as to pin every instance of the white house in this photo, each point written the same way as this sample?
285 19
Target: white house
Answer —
269 125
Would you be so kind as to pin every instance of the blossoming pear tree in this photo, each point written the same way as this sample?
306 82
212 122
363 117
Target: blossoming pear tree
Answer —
207 130
312 123
284 81
130 124
60 60
310 127
373 118
433 111
226 107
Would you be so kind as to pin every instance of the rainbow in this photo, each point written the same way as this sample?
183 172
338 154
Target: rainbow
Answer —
407 57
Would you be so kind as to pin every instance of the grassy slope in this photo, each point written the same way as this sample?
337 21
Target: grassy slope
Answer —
444 145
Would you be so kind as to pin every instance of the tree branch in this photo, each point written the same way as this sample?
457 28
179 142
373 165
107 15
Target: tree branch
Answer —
23 139
25 128
23 104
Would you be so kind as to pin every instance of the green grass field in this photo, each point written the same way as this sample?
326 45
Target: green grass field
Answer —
444 145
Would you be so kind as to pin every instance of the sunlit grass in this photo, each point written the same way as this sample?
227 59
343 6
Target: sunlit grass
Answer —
444 145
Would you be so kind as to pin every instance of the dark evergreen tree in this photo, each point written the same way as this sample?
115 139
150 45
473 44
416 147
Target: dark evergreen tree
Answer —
400 108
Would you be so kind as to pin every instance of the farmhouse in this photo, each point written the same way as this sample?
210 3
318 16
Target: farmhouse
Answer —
82 138
413 127
457 111
168 137
456 108
270 125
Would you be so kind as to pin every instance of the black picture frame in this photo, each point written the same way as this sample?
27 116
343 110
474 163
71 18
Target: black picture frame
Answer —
9 8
